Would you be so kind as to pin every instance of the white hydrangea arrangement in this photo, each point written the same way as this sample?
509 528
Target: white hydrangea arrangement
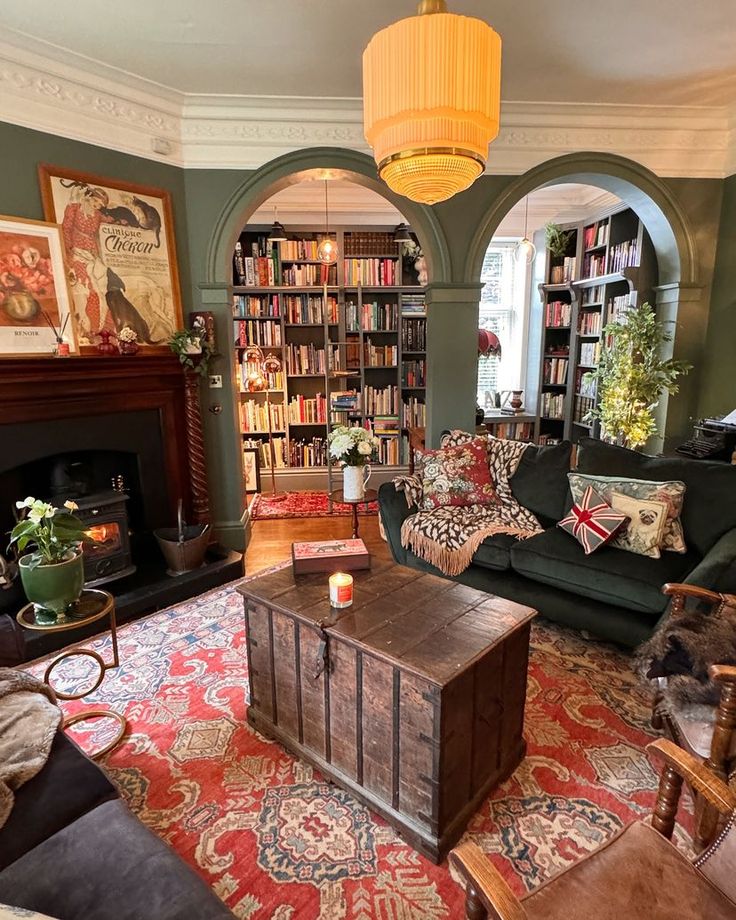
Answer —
352 446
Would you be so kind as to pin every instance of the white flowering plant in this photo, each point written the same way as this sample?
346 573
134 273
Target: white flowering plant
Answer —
127 334
55 535
352 446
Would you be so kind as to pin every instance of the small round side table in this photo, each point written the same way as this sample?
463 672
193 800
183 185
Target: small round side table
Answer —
93 605
370 495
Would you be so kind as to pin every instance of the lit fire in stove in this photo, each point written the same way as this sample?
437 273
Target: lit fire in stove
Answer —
106 537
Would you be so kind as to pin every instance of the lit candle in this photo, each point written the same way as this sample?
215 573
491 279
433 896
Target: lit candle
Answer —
341 590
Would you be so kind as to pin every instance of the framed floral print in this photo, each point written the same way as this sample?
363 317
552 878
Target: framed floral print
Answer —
121 253
36 315
251 469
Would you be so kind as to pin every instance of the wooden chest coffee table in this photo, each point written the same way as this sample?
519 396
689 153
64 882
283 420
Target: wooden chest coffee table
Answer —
412 699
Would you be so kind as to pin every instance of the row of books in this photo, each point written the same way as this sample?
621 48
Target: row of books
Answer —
251 332
413 413
590 323
414 335
594 265
381 400
371 317
596 234
246 305
260 267
347 401
254 417
592 295
372 272
298 250
275 379
373 243
308 453
552 405
555 371
581 408
590 353
547 440
264 452
514 431
384 425
306 411
298 275
413 305
584 386
623 255
309 308
619 306
305 359
380 355
414 374
560 274
388 451
557 314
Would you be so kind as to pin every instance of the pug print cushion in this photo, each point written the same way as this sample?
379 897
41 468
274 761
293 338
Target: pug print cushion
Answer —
643 532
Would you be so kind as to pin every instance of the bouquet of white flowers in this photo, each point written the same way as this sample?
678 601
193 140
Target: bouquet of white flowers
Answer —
352 446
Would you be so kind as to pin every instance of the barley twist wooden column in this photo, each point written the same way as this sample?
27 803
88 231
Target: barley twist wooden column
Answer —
195 449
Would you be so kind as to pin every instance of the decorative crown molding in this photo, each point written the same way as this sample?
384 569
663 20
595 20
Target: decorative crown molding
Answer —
71 96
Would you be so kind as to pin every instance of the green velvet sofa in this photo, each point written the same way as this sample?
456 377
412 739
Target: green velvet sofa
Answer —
611 594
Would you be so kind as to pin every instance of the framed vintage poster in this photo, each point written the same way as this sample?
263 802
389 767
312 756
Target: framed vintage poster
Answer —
121 254
251 469
35 303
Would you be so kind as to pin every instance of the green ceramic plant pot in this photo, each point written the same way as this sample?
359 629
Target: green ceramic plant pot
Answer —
52 589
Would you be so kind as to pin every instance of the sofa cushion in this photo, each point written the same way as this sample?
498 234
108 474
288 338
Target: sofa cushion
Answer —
68 786
495 552
107 866
709 509
610 575
540 481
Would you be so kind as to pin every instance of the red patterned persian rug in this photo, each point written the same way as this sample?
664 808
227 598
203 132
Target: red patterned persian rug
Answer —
301 505
276 842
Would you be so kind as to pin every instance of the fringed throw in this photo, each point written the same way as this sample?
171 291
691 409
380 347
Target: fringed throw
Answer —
448 538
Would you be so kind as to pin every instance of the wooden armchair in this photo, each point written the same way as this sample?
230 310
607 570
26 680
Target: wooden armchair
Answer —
638 875
714 741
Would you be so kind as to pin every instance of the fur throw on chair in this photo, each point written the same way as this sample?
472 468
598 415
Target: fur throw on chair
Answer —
681 651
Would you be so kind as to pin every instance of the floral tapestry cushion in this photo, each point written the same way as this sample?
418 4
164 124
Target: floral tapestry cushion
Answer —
593 522
672 493
643 532
458 476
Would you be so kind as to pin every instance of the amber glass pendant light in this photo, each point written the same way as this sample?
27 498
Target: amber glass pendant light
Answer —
525 251
327 250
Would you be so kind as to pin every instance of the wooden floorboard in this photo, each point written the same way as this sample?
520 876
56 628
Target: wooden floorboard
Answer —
270 541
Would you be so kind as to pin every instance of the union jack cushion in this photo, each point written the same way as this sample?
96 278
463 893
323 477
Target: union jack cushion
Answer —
593 522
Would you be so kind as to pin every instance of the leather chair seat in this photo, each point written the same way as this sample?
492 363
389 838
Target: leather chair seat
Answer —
637 875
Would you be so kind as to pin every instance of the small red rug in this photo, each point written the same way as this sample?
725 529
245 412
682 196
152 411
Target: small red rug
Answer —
276 842
302 505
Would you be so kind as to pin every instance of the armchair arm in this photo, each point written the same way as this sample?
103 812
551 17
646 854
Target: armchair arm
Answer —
394 510
725 673
486 888
717 569
702 594
686 767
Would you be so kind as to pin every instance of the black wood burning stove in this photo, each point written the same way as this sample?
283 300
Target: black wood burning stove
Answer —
107 519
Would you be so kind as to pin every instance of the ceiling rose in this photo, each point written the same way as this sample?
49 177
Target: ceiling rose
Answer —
432 97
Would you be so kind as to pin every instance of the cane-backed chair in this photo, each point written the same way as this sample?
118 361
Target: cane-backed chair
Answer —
638 874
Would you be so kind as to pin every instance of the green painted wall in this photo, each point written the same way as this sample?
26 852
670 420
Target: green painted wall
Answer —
718 389
199 197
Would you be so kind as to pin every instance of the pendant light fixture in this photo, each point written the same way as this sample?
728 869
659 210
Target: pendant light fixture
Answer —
277 234
431 98
525 251
402 235
327 249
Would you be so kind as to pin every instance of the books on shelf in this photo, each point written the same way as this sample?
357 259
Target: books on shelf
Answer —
514 431
345 401
258 268
275 379
370 243
555 371
623 255
309 308
308 411
372 272
592 295
590 353
414 335
557 314
381 400
299 274
251 332
590 323
547 440
581 408
380 355
619 306
253 416
594 265
584 386
414 413
298 250
596 234
264 451
552 405
305 359
385 425
413 305
380 317
561 274
248 305
414 373
388 451
308 453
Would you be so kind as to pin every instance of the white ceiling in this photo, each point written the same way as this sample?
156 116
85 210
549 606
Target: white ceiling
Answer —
303 205
656 52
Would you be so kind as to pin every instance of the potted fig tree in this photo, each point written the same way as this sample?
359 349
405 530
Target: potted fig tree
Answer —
52 573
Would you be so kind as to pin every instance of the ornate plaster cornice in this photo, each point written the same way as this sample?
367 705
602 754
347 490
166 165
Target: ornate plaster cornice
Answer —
54 91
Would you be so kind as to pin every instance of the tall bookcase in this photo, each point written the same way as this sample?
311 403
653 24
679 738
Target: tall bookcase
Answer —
609 264
352 340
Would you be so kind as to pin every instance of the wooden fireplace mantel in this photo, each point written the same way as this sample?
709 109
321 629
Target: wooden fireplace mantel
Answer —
45 389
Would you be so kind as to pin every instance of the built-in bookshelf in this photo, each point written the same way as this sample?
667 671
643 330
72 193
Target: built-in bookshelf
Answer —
609 265
352 341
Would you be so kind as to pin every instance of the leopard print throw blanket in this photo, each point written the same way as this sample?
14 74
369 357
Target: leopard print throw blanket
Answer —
448 538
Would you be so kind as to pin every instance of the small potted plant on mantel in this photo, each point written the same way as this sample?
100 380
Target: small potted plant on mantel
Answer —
53 572
193 349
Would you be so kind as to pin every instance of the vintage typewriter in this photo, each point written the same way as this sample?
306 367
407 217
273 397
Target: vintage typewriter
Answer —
712 439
